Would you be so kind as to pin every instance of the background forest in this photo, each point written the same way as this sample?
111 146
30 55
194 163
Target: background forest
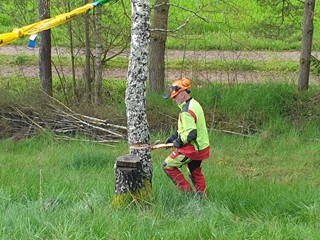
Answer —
224 25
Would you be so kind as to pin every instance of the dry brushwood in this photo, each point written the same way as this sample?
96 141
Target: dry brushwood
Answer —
21 121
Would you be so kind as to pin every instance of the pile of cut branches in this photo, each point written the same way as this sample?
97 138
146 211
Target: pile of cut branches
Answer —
19 121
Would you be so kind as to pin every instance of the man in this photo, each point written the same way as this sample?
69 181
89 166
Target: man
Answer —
190 140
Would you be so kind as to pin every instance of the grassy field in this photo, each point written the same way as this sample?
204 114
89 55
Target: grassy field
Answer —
262 183
258 189
271 65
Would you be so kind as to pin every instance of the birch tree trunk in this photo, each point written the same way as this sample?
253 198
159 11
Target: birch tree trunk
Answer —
138 131
158 45
307 33
45 50
98 70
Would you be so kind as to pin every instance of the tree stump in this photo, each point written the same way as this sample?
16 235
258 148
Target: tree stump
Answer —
130 185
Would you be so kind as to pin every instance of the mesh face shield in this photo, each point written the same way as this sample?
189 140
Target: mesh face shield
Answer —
178 86
174 90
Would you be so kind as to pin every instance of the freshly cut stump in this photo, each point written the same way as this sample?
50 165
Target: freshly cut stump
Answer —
129 181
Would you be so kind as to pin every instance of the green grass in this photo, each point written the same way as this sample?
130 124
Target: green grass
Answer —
257 190
274 65
235 65
238 41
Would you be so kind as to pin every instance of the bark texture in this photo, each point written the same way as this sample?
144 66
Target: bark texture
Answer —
307 34
98 69
73 66
128 174
45 50
138 131
158 45
87 47
130 184
137 124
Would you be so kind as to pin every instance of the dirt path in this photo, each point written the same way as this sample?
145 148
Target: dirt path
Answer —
221 76
176 54
212 76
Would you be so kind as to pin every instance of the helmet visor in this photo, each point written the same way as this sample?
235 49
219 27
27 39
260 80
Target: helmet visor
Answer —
174 90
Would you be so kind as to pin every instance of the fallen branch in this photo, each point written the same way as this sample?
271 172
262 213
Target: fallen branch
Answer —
23 121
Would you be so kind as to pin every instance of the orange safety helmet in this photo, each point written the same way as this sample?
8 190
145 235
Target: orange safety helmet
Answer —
178 86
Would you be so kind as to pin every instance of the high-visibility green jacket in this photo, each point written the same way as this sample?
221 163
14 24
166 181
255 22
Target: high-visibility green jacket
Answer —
192 127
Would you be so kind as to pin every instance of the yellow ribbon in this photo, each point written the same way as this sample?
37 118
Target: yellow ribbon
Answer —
40 26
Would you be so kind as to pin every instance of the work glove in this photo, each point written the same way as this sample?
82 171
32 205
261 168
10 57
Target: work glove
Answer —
177 143
171 138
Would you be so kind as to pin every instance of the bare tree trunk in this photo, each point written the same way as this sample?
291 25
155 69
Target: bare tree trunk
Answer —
138 132
98 70
307 33
45 50
87 50
158 46
74 83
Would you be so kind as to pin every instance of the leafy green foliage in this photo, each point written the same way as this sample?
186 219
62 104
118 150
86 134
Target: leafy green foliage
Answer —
280 19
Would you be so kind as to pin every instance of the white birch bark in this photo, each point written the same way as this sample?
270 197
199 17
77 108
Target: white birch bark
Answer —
138 131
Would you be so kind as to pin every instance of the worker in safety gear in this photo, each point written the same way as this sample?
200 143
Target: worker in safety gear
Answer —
190 140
